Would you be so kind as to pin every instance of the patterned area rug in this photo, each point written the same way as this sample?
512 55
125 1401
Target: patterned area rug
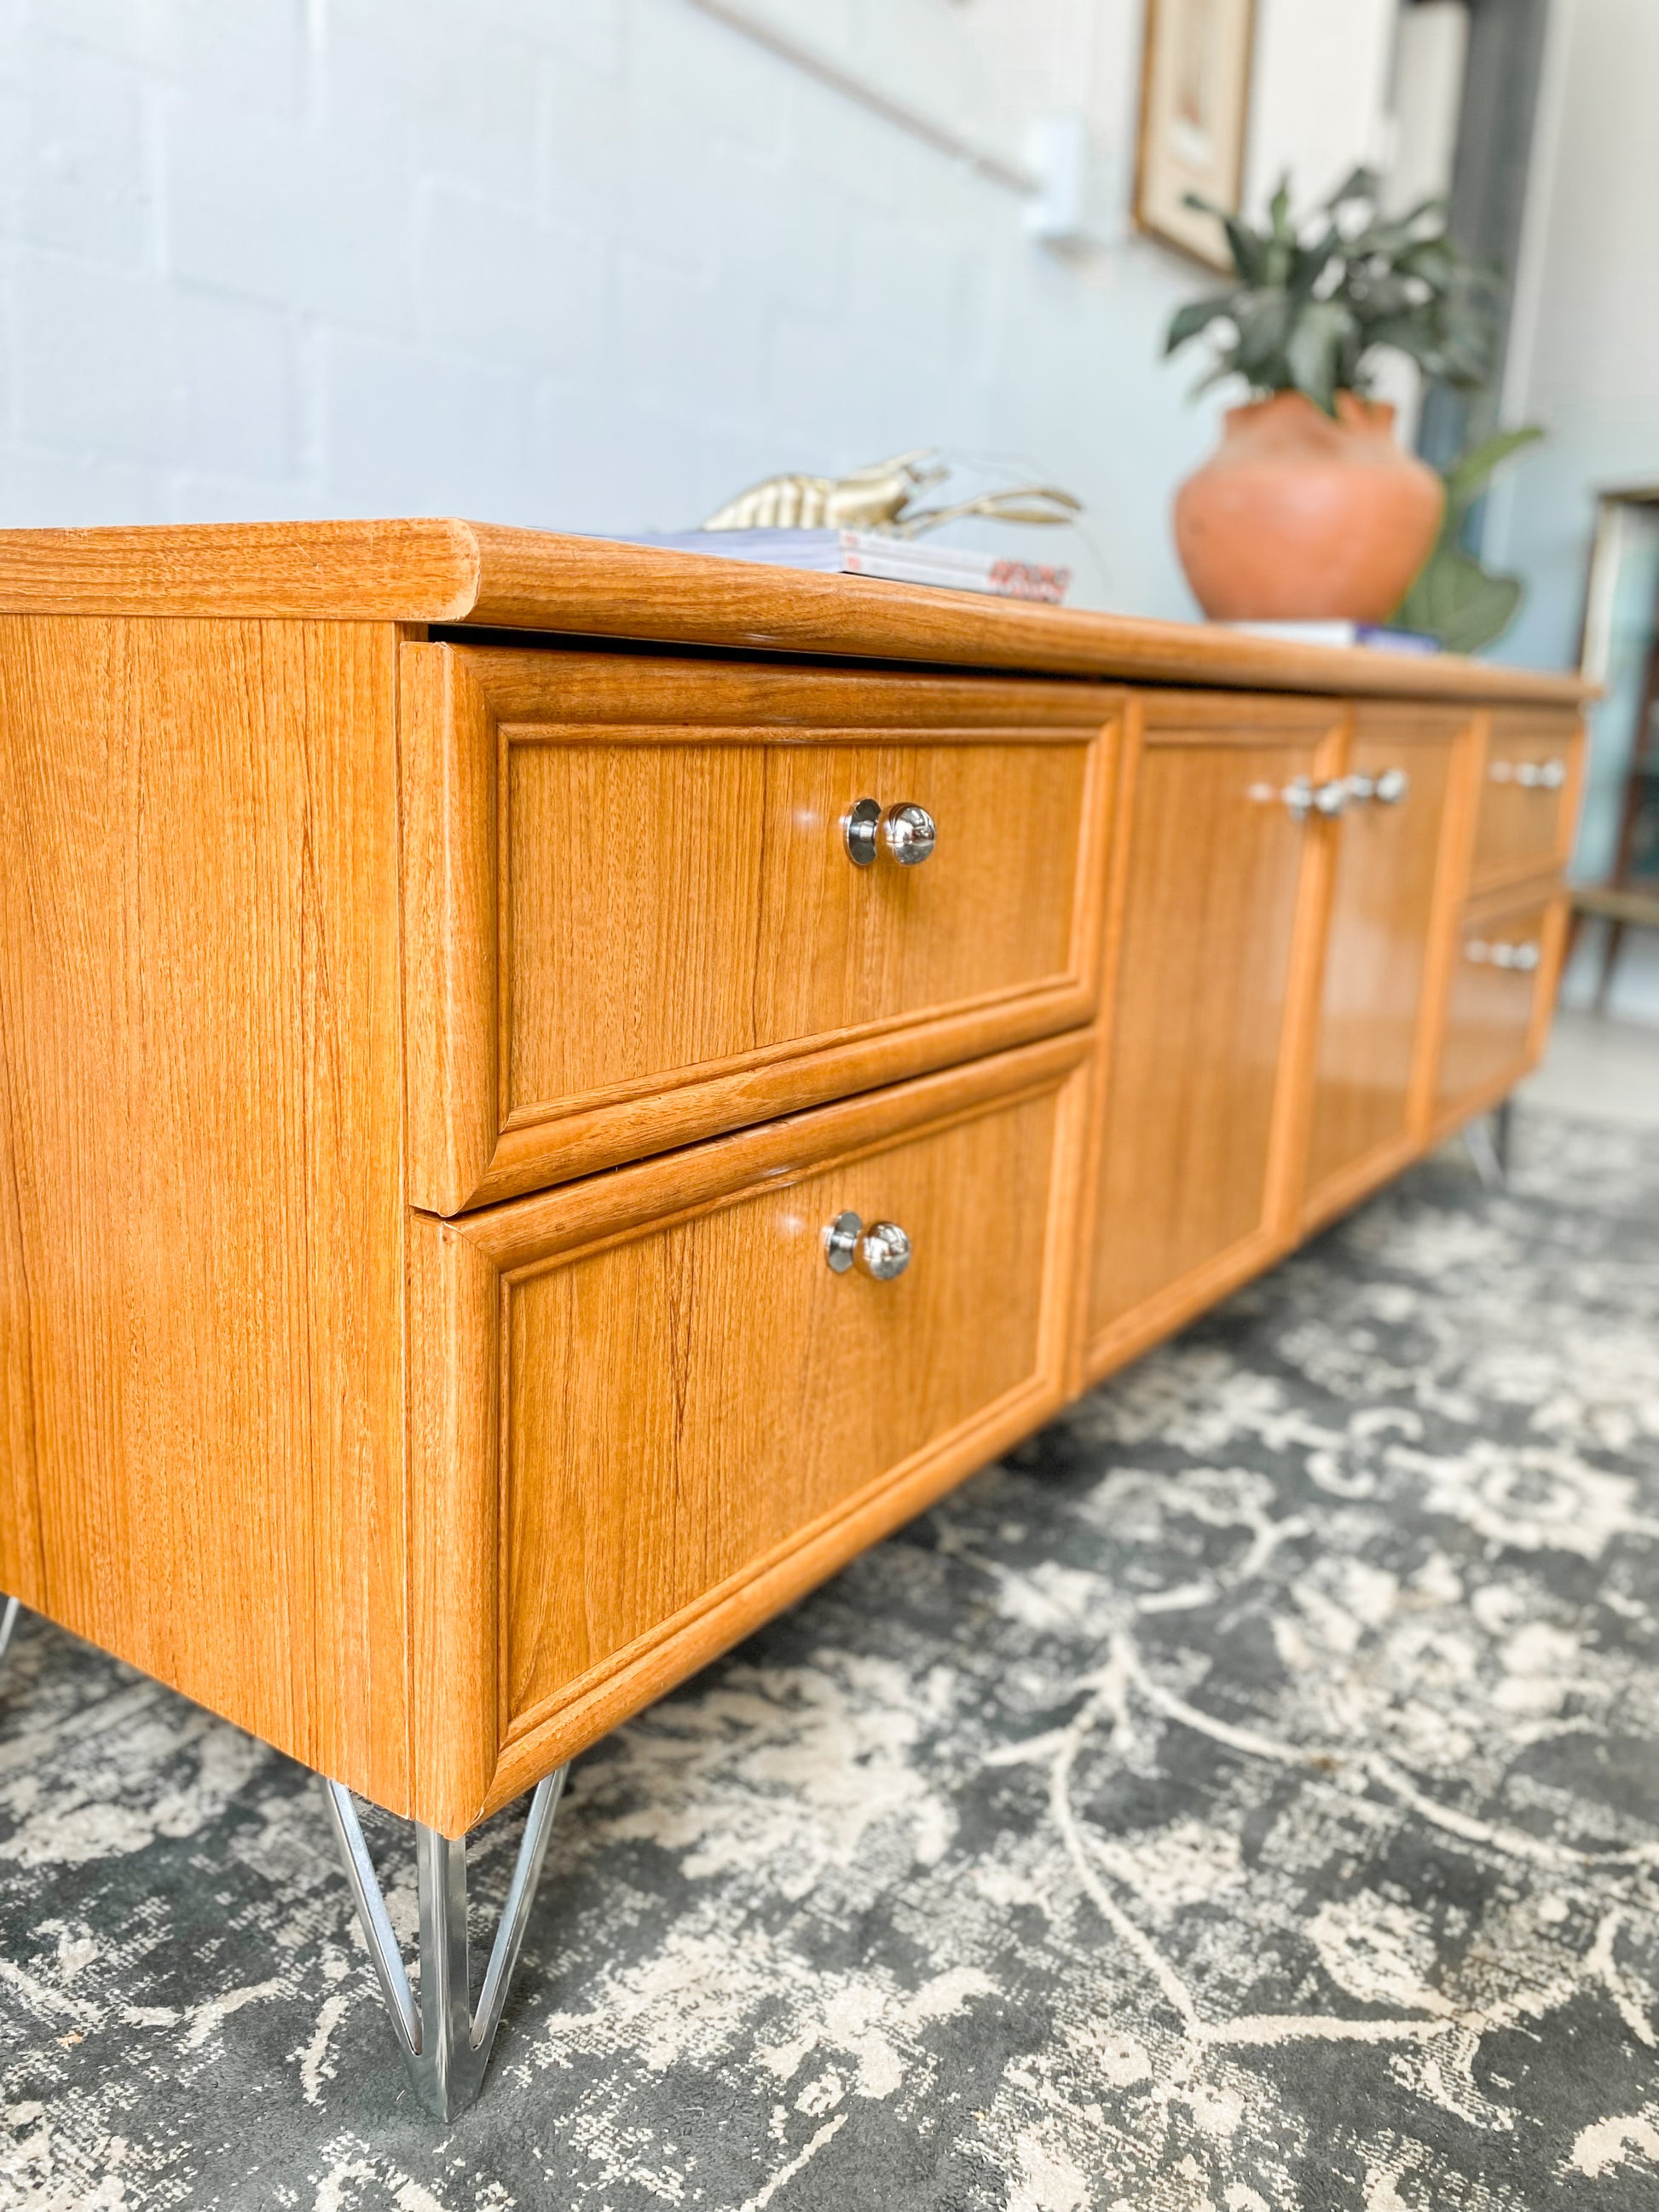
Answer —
1245 1798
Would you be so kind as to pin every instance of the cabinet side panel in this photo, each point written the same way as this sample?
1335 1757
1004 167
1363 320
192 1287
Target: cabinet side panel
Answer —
201 1337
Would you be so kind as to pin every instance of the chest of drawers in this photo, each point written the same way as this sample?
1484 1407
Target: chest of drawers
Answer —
485 1019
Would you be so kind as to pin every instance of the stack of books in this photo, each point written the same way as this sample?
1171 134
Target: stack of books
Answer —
1384 637
868 553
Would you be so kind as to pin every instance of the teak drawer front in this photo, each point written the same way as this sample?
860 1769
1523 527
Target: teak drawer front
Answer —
1498 997
673 1416
634 921
1393 904
1529 797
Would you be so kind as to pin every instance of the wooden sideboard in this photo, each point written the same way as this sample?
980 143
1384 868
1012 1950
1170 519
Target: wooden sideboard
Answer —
441 1015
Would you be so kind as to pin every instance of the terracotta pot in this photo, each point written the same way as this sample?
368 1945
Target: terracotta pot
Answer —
1300 518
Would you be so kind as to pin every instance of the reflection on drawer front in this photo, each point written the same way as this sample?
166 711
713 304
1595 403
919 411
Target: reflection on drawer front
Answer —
1221 847
1502 978
703 1365
1392 902
664 899
1527 797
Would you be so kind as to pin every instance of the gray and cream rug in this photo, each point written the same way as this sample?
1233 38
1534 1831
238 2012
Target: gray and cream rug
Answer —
1245 1798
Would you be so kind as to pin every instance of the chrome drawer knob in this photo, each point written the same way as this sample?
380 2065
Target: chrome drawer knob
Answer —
1531 775
881 1251
1388 789
860 829
1525 958
1303 797
908 832
911 833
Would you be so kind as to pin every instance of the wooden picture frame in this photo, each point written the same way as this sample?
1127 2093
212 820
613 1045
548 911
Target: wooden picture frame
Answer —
1195 108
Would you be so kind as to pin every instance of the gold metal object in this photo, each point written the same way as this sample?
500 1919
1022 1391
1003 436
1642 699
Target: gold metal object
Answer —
878 498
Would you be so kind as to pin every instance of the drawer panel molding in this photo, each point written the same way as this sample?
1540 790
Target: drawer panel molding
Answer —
1529 797
659 1405
651 901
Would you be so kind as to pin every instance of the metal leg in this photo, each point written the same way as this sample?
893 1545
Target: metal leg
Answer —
445 2044
1489 1140
1502 1136
10 1609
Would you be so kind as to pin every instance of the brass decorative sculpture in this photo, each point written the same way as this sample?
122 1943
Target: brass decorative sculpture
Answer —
878 498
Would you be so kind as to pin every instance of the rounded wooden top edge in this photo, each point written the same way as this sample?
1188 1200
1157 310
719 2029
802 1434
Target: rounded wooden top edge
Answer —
598 587
415 569
439 569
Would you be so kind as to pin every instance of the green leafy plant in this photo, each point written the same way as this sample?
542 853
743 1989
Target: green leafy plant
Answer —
1314 301
1455 598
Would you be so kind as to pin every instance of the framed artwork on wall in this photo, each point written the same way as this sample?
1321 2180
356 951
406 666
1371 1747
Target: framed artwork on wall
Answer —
1195 103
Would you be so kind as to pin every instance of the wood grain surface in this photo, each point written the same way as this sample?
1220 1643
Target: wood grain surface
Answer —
633 921
1393 896
415 568
307 924
425 569
1496 1019
667 1396
201 1217
1216 922
1523 829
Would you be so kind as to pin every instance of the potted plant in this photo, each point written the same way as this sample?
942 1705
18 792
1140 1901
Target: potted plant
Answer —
1454 597
1311 508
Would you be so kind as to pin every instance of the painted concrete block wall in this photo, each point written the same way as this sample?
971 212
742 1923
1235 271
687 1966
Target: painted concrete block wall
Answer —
585 264
582 264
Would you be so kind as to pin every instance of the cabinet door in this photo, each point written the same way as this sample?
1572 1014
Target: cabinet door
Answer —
1391 909
1217 906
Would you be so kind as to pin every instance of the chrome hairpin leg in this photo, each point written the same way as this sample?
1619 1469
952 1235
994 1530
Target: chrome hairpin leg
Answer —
1503 1135
10 1609
1489 1140
445 2044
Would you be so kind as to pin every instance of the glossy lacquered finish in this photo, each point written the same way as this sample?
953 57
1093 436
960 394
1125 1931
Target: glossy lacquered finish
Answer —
652 900
202 1211
1529 797
1392 895
1502 984
664 1415
436 570
1216 910
429 1068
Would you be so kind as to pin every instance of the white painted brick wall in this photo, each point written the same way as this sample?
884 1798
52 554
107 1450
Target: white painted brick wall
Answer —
582 264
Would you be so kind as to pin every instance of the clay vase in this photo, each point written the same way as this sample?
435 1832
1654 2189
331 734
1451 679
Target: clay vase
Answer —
1299 518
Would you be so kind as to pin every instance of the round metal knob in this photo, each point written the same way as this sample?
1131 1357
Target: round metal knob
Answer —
883 1251
1541 775
841 1242
1303 797
911 833
1392 785
1361 788
860 827
1525 956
